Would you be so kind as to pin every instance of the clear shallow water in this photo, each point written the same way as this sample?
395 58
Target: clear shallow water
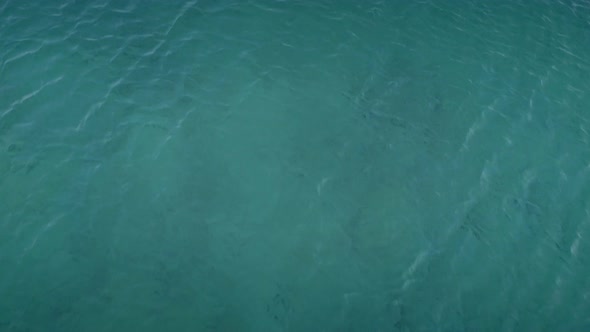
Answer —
294 166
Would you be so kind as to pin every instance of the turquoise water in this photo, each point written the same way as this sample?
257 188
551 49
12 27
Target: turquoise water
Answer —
294 165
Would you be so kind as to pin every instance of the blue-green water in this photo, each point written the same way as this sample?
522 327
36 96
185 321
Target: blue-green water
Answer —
294 165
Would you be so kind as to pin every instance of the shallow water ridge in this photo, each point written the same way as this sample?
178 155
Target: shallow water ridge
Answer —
271 165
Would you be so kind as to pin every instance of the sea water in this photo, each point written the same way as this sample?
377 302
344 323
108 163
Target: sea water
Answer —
298 165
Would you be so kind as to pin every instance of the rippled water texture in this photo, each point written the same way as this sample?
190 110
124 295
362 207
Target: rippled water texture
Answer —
294 165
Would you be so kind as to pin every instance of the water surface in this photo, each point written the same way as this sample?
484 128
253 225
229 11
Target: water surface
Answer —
294 165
